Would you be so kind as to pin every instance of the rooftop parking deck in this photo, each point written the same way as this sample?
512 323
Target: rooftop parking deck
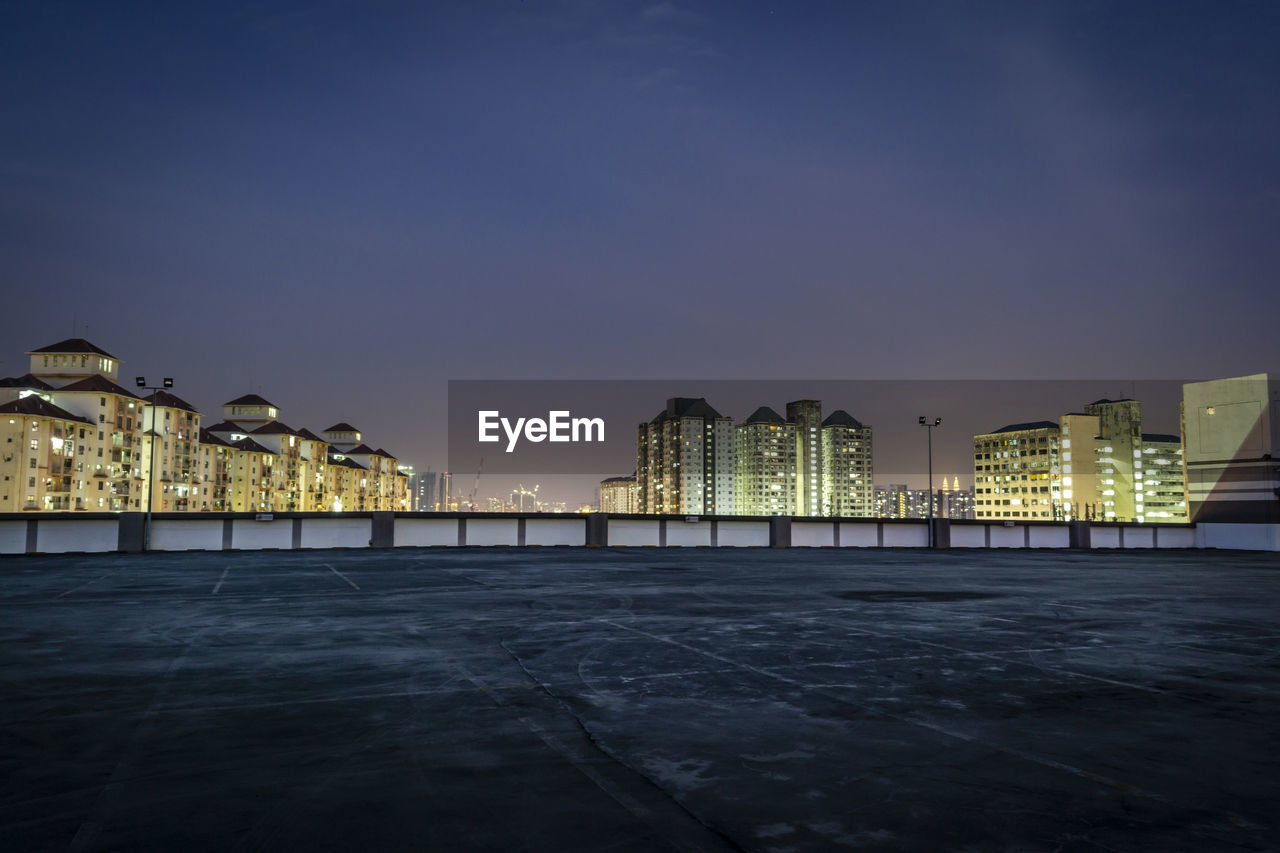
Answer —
642 699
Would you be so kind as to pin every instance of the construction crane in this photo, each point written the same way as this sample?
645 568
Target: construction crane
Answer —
471 498
522 492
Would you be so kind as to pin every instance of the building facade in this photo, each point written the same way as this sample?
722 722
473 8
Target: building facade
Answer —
806 415
848 485
1016 472
685 460
618 495
897 501
1163 482
1118 458
1079 454
766 462
1231 440
75 439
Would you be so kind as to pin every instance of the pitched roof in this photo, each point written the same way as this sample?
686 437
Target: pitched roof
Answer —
250 400
98 384
686 407
842 418
342 427
1161 436
247 443
311 436
170 401
361 449
1026 426
275 428
630 479
224 426
25 381
207 437
765 415
384 453
35 406
73 345
1105 401
346 463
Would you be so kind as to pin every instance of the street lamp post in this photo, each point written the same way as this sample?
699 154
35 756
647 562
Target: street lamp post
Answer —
924 422
151 474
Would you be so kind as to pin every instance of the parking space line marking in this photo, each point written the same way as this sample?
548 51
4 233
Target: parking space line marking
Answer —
341 575
218 585
908 718
83 585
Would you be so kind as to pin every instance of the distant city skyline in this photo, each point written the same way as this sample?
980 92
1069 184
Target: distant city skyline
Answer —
319 201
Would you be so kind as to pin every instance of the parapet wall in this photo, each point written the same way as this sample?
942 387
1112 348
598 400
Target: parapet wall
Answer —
57 533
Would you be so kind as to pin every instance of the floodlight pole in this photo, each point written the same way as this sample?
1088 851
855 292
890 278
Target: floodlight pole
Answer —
924 422
151 474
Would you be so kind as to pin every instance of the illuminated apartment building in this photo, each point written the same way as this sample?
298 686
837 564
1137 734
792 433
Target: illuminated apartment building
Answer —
248 462
173 425
251 464
684 460
369 479
252 468
313 472
212 478
846 466
349 480
1095 465
897 501
82 379
1080 497
1162 484
1016 472
42 457
618 495
766 453
378 490
1118 458
807 417
286 475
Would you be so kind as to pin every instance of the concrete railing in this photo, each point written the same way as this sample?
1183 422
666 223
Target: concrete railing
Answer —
55 533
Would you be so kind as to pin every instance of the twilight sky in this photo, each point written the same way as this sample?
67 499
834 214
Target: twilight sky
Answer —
343 205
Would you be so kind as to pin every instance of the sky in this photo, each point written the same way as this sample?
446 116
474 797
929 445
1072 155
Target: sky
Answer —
344 205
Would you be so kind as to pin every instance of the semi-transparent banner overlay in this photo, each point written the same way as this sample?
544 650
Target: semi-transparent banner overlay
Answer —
588 429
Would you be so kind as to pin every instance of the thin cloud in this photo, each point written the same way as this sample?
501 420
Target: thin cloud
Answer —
668 13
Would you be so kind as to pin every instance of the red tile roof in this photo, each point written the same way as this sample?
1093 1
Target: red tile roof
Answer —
207 437
275 428
34 406
98 384
250 400
251 445
25 381
225 426
170 401
346 463
76 345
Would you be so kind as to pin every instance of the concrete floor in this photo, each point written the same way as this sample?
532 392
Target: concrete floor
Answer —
634 700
